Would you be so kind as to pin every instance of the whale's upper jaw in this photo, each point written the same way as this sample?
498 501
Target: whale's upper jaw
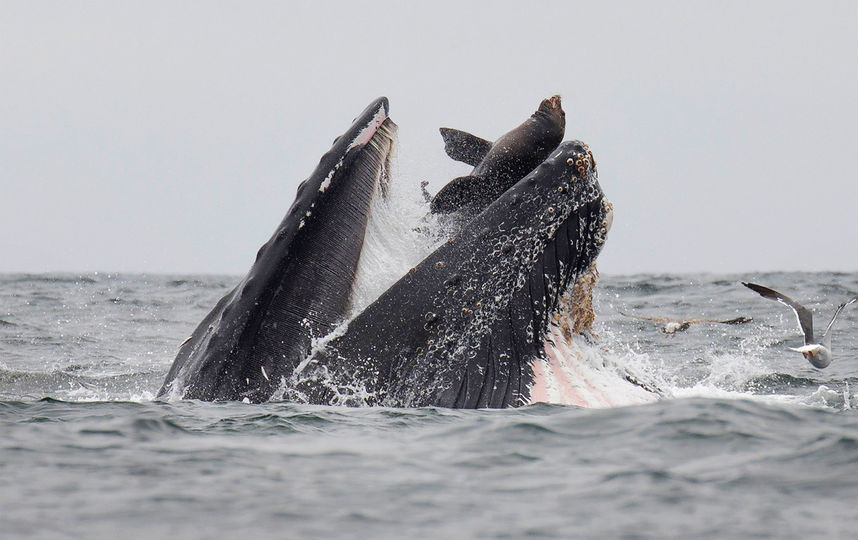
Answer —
460 329
300 284
539 238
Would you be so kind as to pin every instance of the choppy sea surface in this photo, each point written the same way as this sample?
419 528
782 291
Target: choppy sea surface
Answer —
750 441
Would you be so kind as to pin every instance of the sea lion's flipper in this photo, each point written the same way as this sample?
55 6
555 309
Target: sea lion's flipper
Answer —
458 193
464 147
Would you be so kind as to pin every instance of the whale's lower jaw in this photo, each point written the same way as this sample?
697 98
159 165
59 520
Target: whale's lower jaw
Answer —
300 285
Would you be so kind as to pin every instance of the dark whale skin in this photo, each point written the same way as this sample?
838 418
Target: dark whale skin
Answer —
461 328
300 285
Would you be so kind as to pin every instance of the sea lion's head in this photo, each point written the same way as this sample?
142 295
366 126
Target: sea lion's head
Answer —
551 108
550 104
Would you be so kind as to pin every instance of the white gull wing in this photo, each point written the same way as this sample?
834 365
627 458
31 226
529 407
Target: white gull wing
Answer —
804 315
807 348
825 336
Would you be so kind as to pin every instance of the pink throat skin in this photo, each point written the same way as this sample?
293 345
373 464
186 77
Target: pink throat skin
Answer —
570 375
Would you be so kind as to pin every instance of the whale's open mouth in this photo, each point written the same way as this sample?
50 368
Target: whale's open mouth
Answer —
473 325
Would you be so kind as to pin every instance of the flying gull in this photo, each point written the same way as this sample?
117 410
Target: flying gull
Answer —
817 353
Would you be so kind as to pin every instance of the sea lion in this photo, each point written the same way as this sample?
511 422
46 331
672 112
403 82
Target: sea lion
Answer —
499 165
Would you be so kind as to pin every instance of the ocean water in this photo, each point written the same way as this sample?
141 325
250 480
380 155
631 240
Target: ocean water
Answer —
749 440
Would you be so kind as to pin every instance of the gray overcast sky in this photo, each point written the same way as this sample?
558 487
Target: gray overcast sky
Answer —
171 136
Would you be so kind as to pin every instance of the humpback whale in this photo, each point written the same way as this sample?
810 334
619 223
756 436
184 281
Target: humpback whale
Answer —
498 165
469 326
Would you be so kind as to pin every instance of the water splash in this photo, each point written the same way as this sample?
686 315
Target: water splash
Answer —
401 232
